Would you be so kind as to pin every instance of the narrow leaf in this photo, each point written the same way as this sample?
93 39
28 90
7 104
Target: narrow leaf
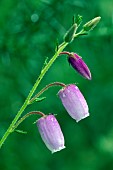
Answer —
39 99
20 131
78 20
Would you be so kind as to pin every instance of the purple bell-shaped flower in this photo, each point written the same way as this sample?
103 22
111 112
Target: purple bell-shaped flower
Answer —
74 102
51 133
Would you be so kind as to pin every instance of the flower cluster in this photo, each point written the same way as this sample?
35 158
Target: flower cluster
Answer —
49 128
70 95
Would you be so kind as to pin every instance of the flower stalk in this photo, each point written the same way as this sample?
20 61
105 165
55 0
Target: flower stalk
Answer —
26 116
46 88
26 103
72 93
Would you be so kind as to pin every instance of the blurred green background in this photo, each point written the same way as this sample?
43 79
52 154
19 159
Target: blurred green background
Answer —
28 34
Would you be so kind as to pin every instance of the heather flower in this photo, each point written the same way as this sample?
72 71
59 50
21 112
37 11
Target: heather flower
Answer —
74 102
51 133
79 65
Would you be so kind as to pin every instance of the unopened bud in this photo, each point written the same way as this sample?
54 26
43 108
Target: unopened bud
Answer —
79 65
69 36
91 24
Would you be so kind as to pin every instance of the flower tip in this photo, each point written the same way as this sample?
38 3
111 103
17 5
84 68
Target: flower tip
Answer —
79 65
59 149
89 77
83 117
98 18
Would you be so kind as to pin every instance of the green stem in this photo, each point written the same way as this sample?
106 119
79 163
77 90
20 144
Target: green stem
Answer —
43 72
46 88
82 32
27 115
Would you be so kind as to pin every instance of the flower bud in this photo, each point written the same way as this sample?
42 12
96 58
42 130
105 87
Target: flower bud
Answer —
69 36
51 133
91 24
79 65
74 102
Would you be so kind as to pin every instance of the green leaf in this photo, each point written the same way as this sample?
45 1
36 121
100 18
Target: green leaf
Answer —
69 36
45 63
57 44
20 131
39 99
78 20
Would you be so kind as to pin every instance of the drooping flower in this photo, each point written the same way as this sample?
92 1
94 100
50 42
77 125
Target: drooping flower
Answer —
79 65
51 133
74 102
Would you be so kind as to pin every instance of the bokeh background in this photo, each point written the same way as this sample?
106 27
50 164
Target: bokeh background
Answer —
28 34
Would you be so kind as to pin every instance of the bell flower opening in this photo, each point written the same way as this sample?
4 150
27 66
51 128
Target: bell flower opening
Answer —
74 102
51 133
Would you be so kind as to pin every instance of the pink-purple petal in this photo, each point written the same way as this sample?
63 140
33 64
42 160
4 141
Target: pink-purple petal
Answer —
51 133
74 102
79 65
